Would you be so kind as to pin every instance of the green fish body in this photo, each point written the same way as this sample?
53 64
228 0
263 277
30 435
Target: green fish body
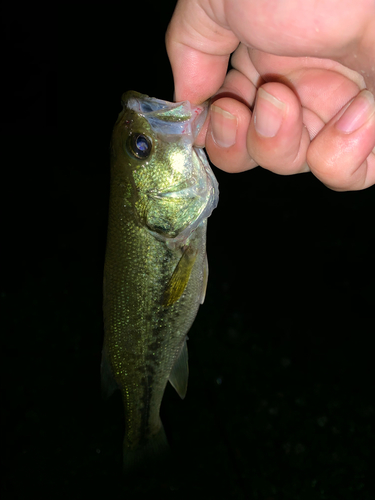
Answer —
155 275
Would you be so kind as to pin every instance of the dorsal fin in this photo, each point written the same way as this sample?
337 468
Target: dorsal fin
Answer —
108 383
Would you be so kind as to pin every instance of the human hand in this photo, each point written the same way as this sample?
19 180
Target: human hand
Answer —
294 100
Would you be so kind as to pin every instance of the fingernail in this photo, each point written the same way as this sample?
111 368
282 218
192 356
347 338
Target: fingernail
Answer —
357 113
223 127
268 114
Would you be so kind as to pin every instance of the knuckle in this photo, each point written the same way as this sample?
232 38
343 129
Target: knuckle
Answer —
337 166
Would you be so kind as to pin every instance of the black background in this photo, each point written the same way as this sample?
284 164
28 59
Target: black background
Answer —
280 402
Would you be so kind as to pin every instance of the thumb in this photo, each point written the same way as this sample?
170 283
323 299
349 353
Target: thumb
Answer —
198 47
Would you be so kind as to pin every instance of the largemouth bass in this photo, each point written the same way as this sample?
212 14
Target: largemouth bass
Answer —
162 190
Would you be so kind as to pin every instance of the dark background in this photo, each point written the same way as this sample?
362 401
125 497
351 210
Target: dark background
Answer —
280 402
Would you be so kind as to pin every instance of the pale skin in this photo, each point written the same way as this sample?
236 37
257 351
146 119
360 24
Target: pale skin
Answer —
300 96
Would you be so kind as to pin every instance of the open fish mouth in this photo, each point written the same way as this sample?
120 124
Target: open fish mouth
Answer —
169 118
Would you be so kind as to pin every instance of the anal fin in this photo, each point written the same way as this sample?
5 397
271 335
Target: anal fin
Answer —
180 372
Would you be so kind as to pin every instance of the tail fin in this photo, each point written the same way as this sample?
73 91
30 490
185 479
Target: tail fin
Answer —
154 452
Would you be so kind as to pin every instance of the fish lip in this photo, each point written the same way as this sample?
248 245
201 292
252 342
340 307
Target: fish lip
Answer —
177 191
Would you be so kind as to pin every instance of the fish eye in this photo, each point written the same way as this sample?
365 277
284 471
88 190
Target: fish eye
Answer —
140 145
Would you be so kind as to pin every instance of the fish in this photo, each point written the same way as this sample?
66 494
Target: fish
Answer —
162 190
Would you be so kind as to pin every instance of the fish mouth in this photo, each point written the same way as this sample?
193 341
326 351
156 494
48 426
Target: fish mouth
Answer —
177 192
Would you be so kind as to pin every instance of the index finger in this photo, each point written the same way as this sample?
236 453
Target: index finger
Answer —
199 47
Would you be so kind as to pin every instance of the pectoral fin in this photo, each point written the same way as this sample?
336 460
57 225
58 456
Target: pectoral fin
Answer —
180 372
205 278
180 277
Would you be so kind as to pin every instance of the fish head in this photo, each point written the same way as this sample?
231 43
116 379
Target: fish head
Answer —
168 183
